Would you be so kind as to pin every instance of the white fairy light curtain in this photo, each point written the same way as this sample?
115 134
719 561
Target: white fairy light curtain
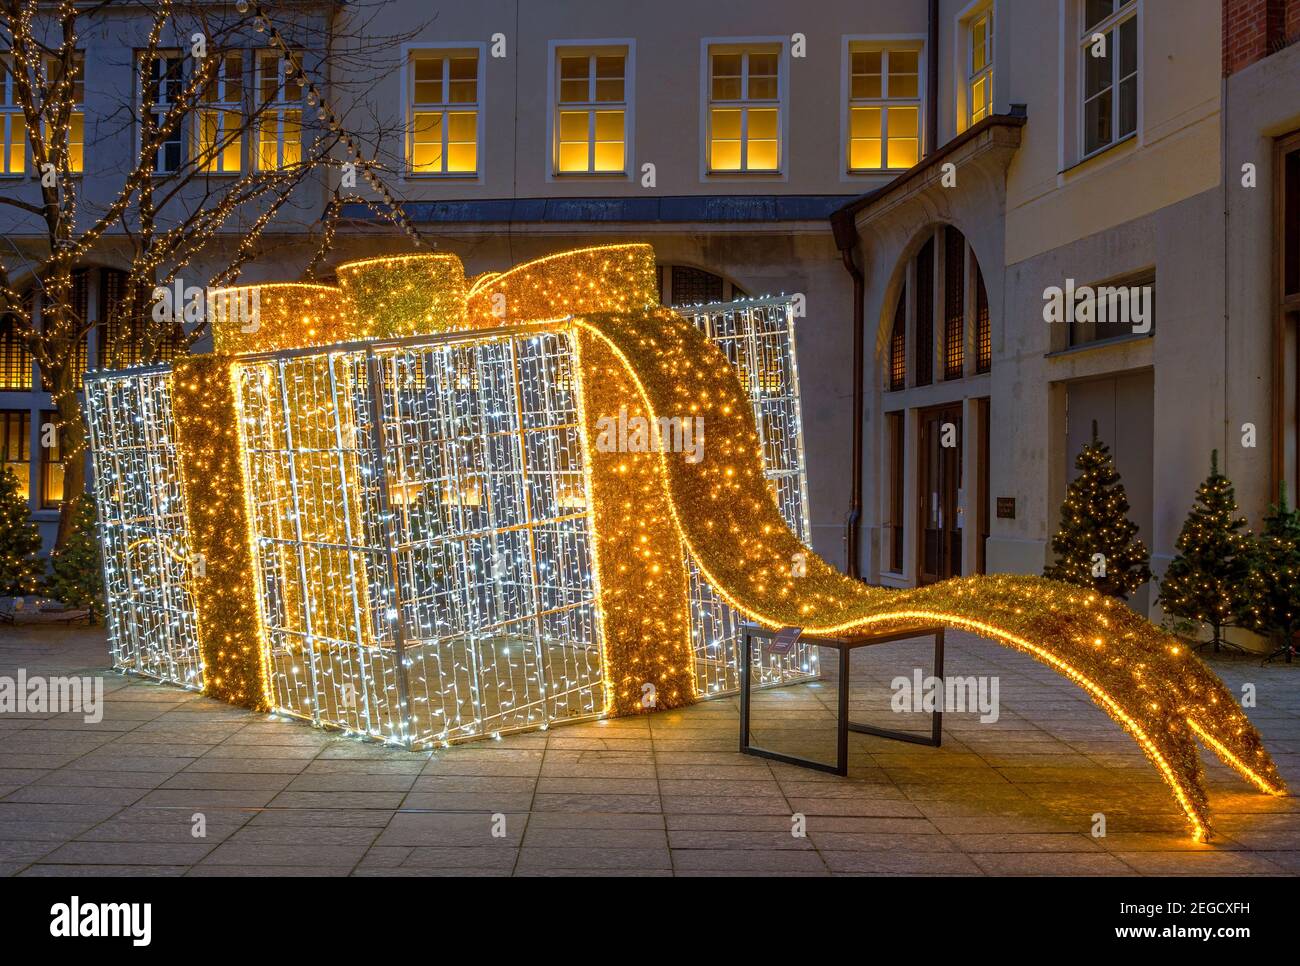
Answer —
420 539
757 337
147 559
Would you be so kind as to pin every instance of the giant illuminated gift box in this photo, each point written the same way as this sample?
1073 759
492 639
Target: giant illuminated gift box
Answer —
393 506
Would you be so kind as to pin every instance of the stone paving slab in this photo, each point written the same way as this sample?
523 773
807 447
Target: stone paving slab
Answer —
662 795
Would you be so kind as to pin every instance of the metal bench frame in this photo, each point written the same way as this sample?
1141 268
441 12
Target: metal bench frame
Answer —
845 646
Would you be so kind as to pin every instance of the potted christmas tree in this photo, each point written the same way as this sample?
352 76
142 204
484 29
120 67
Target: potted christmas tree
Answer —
1206 581
20 541
77 576
1096 545
1274 580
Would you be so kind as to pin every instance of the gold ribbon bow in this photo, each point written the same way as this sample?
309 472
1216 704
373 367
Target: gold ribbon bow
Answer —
634 354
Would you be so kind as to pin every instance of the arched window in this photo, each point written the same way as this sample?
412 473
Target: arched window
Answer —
687 285
954 307
15 357
924 355
121 340
983 329
943 284
898 345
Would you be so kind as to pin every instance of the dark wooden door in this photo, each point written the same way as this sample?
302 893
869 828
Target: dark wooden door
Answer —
939 479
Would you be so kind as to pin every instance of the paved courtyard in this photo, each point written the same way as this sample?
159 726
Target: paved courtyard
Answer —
663 794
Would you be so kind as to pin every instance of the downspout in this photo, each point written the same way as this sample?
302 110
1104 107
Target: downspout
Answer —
846 239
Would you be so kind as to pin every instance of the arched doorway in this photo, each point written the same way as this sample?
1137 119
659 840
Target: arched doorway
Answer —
935 360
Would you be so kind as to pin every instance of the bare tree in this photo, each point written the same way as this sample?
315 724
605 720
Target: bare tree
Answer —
162 220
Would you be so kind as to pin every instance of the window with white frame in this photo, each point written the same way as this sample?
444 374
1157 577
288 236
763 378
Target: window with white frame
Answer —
884 108
279 112
1109 51
163 90
591 111
445 111
13 123
76 131
220 138
979 66
744 116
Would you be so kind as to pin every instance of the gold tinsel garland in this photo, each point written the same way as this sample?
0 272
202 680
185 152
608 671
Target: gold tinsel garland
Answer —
401 295
643 506
608 278
264 318
1144 679
640 568
235 655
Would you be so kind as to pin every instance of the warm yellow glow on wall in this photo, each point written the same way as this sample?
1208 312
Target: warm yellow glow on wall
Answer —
225 589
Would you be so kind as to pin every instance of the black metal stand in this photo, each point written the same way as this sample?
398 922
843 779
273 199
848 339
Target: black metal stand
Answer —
1218 642
1286 651
845 646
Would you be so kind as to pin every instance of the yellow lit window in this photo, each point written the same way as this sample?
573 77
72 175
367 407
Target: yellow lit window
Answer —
75 133
884 109
444 112
77 142
744 110
16 447
591 113
51 461
14 160
220 137
979 79
279 117
13 125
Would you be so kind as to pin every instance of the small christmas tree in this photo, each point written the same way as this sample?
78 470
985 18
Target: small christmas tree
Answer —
1206 581
77 575
1096 545
20 541
1274 581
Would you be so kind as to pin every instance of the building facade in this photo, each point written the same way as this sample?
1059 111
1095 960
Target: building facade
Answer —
966 159
1138 148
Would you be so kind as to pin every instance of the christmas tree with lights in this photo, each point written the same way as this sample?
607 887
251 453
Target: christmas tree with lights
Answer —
1274 581
1207 580
77 576
1096 545
20 541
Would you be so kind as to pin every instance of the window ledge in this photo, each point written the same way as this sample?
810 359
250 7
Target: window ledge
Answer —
1099 153
1118 340
442 176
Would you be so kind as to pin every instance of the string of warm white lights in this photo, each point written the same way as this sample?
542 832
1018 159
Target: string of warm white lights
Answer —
1146 680
330 118
418 499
